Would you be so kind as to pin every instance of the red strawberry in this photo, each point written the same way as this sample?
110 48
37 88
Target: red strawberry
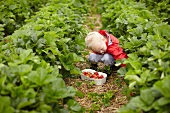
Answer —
100 77
96 73
85 73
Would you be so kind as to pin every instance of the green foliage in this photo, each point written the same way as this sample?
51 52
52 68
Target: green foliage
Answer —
55 35
155 99
14 12
5 106
145 38
100 99
38 56
159 7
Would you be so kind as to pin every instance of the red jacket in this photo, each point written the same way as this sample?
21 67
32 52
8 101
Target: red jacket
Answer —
113 47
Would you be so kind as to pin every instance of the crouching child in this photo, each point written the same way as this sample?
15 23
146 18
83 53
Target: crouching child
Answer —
105 48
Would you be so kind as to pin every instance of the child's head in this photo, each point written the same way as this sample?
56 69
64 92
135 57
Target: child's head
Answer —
96 42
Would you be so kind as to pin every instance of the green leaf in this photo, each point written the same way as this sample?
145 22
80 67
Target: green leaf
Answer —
149 24
8 109
68 60
25 102
56 93
58 90
144 76
50 37
147 96
157 53
40 42
163 101
137 31
153 76
55 71
96 107
24 54
5 106
44 107
64 62
80 94
1 65
41 77
131 75
163 30
75 57
149 44
58 84
30 93
136 102
65 40
12 7
75 70
133 56
71 91
35 59
125 109
132 84
73 105
163 86
24 68
136 65
121 71
64 111
162 104
2 81
55 51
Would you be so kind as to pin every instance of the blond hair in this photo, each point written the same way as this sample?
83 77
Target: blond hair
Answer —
93 40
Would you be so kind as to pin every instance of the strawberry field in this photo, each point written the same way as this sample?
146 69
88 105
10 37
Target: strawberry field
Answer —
43 52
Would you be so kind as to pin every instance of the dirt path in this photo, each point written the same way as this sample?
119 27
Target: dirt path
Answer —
99 99
95 98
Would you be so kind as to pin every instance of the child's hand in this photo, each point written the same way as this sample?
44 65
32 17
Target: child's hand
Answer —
87 56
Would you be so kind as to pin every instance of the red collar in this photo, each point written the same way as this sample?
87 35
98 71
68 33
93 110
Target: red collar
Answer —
104 33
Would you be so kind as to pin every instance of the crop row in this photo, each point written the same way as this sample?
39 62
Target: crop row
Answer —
14 12
36 57
145 38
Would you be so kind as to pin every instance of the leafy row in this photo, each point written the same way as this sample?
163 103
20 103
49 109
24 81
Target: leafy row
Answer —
36 57
14 12
159 7
145 38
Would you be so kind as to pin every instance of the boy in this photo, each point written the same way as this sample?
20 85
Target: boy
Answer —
105 48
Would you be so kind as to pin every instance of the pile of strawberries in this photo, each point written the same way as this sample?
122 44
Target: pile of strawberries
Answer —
94 75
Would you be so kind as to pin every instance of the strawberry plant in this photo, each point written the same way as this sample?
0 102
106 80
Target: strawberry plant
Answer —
36 59
44 35
154 99
14 12
100 99
159 7
29 83
144 36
